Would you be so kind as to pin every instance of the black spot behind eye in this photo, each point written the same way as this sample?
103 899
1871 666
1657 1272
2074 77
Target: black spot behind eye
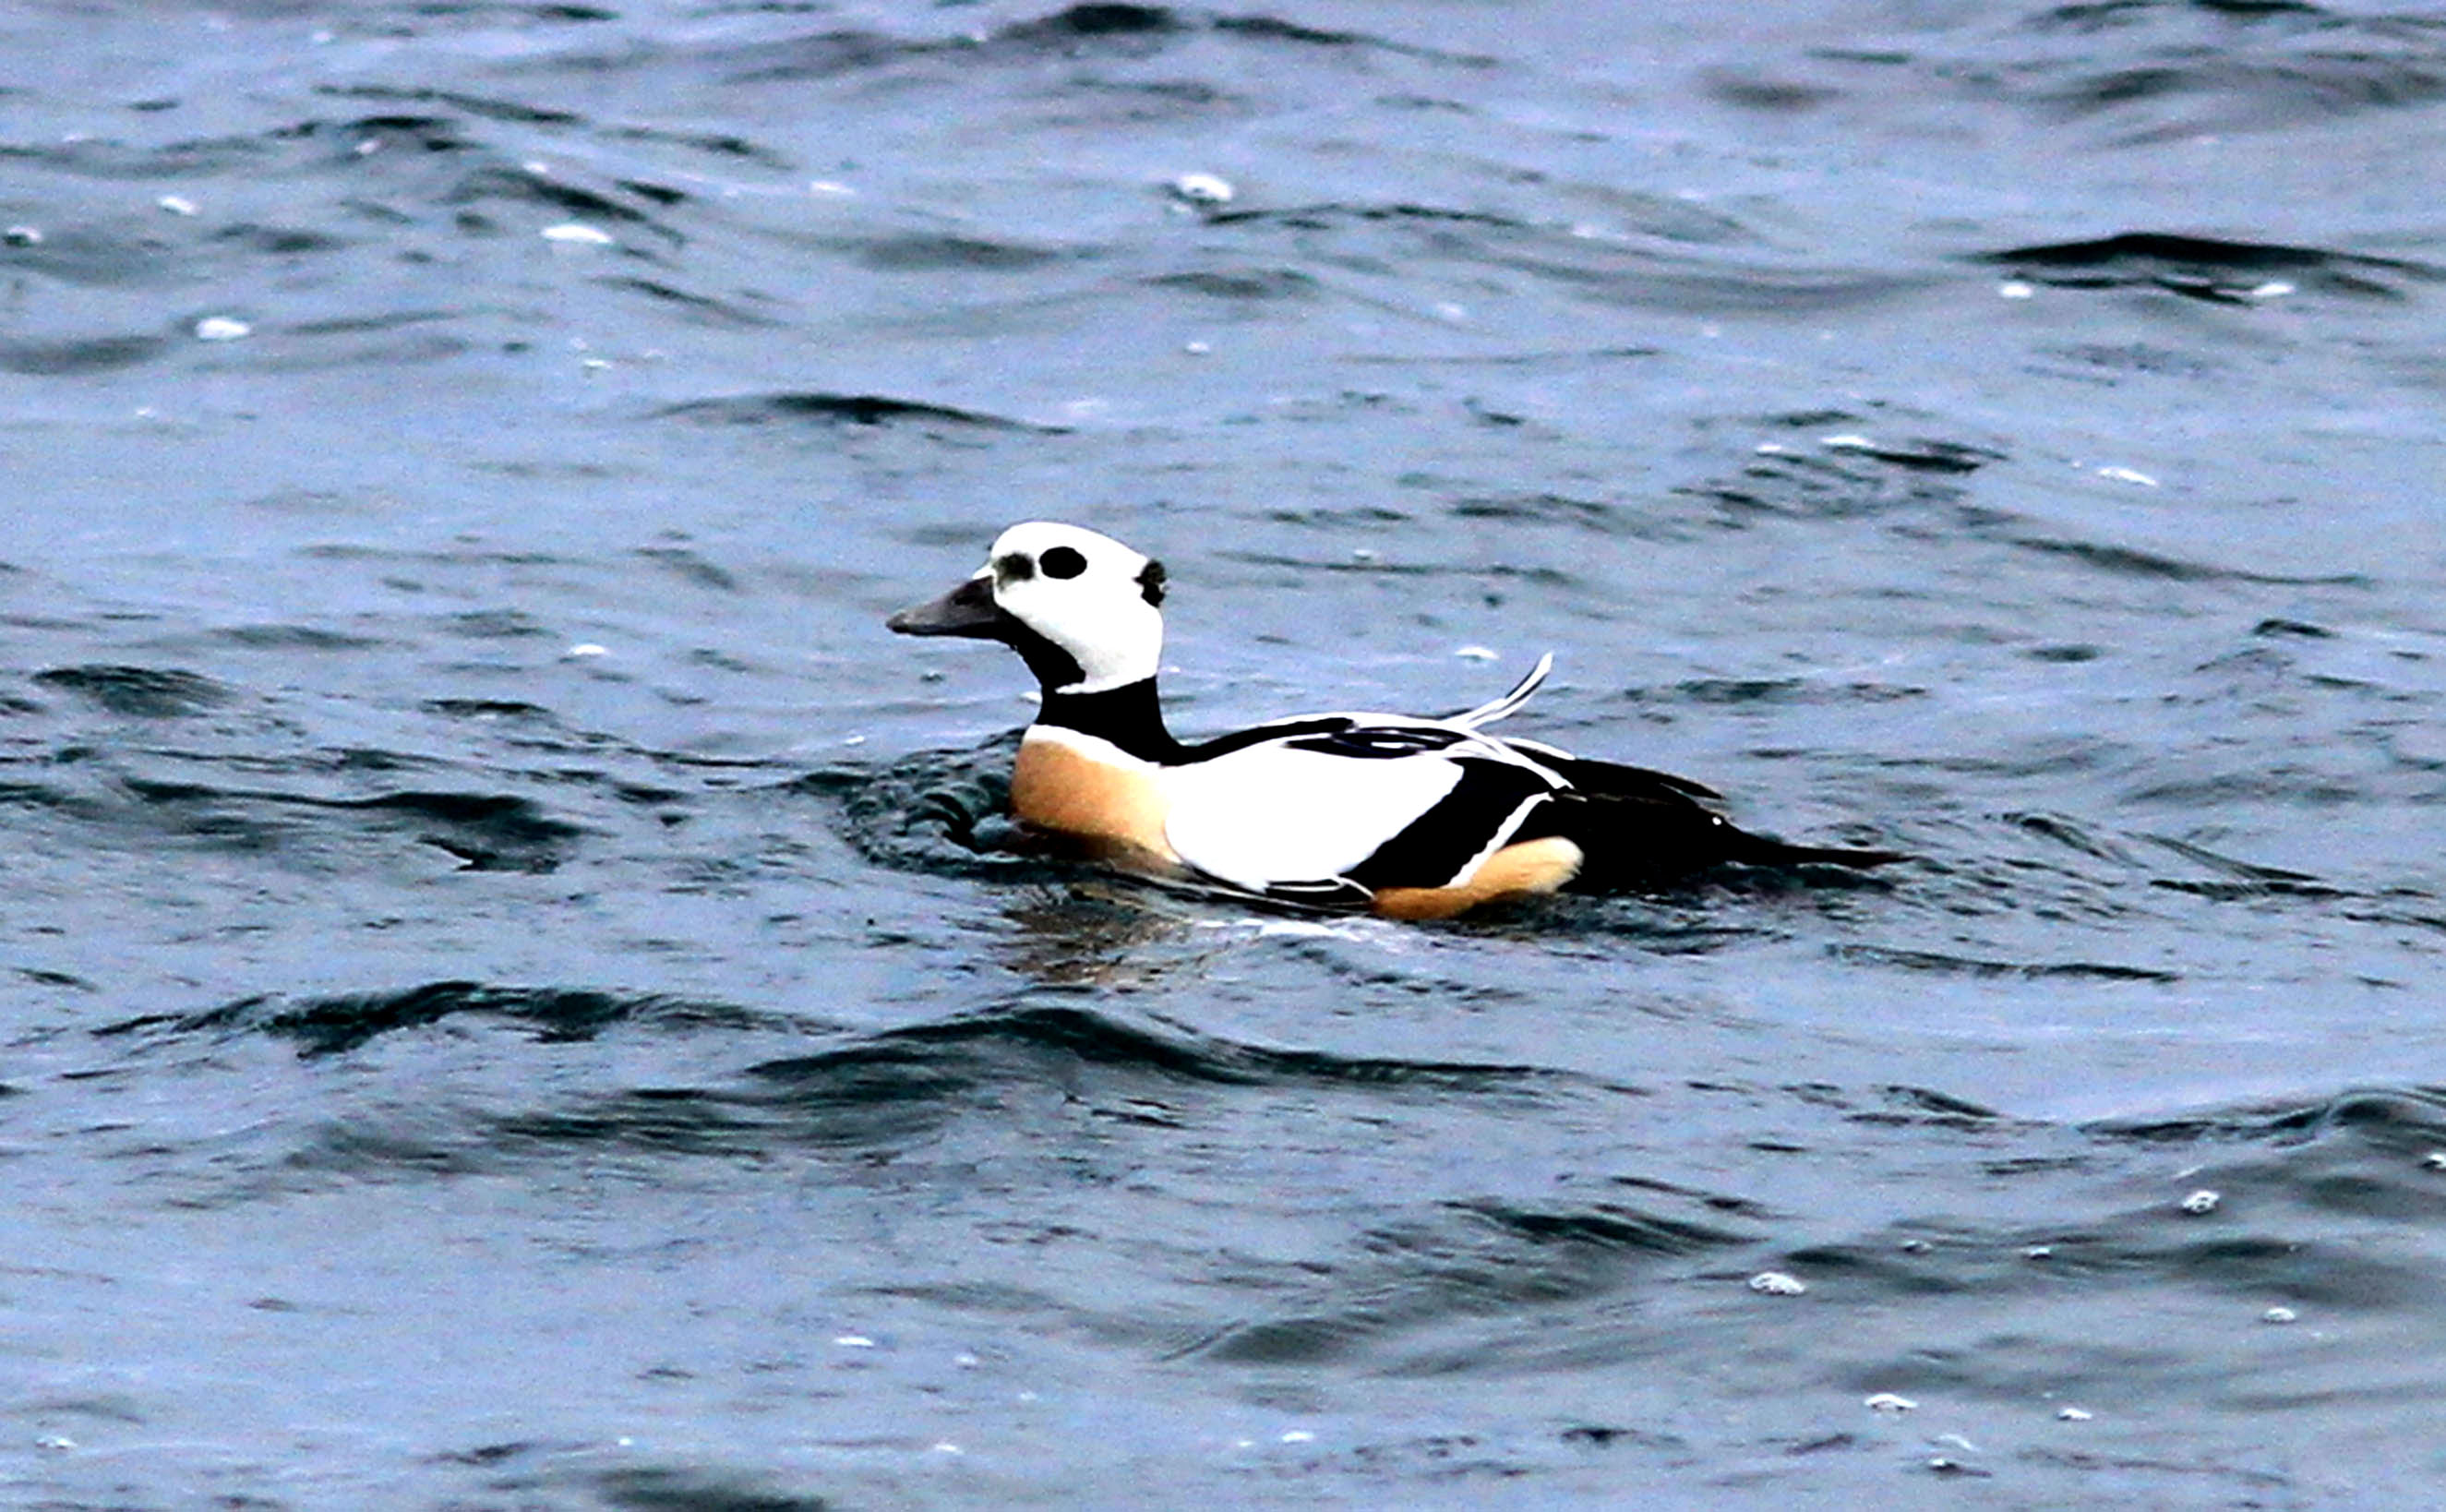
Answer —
1014 567
1063 561
1151 582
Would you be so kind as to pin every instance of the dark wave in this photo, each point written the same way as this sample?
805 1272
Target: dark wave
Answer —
497 832
487 831
102 157
1660 261
2131 561
2028 971
513 185
2323 1206
2226 879
434 132
1326 215
872 1093
505 709
331 1025
1244 283
2208 267
1542 575
843 408
1167 1053
2409 1121
2156 71
482 830
1841 472
1739 691
2242 93
139 692
70 357
279 637
941 811
692 307
1600 516
1467 1259
934 252
2074 835
673 1488
1093 29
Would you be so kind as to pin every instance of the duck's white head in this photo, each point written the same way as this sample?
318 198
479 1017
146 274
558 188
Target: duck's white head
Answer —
1082 609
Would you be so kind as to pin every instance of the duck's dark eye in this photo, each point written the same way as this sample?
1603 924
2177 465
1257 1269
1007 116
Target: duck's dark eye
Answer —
1014 567
1063 561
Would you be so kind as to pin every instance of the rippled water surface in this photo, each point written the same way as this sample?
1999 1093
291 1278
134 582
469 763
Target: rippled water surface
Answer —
510 998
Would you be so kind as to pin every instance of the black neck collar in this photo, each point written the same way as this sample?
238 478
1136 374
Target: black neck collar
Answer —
1130 716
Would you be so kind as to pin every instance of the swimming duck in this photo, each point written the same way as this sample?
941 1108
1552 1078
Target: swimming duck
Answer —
1406 817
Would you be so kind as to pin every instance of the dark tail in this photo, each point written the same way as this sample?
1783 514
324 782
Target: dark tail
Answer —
1759 850
1639 829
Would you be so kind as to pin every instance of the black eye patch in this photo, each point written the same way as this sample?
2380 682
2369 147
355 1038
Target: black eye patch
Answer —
1151 583
1063 561
1014 567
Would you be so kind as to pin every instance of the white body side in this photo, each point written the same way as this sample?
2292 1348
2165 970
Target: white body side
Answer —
1273 813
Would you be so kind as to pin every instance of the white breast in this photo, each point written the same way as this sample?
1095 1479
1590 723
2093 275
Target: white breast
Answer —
1273 814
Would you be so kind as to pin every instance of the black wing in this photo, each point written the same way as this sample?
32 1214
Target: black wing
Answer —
1613 779
1482 809
1319 725
1381 742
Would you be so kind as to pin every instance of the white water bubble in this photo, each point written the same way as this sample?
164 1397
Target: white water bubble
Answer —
578 234
1889 1402
2201 1202
176 204
223 328
1206 189
1777 1283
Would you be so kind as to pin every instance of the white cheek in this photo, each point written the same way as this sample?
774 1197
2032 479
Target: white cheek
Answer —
1115 639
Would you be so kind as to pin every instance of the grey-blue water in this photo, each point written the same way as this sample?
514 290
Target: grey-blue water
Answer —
502 1008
